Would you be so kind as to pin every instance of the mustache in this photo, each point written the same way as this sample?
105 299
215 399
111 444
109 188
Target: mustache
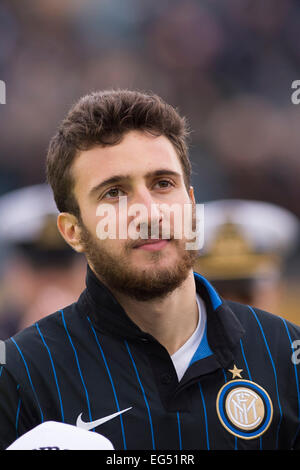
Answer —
157 230
153 231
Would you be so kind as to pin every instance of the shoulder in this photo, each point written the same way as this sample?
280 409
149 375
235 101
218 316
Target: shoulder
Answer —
249 313
268 327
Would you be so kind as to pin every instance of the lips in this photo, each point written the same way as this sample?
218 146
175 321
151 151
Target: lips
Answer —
151 244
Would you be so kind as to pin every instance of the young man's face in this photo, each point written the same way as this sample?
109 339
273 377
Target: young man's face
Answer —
142 169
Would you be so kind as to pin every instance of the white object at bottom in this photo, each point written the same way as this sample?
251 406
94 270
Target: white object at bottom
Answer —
52 435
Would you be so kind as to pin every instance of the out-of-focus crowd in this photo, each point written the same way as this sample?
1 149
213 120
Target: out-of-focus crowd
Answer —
227 65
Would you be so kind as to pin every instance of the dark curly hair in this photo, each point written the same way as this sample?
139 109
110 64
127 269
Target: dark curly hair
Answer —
103 118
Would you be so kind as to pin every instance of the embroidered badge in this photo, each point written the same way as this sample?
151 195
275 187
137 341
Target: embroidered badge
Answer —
244 408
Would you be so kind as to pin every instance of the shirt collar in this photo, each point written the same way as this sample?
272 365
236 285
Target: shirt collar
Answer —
223 327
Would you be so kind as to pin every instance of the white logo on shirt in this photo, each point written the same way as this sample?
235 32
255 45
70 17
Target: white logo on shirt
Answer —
93 424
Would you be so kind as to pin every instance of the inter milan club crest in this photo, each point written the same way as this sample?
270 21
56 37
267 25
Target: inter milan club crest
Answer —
244 408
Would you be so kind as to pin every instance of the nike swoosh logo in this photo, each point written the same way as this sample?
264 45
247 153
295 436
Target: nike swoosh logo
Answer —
93 424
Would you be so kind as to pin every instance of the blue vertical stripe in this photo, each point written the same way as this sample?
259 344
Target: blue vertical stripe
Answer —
296 377
111 381
54 372
143 392
179 431
245 360
205 416
29 377
1 369
78 366
274 370
250 378
17 415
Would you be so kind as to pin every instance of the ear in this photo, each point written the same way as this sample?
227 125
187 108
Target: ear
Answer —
67 225
191 194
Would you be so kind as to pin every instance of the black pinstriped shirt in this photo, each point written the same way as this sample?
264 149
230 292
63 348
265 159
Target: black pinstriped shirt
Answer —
240 391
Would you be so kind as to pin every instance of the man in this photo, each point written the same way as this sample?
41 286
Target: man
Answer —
150 356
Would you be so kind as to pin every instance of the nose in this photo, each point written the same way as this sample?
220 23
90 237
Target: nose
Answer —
146 213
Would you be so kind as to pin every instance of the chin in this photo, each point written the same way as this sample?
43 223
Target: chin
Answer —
155 266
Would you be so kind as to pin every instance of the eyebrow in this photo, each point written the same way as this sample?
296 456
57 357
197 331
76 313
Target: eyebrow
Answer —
125 178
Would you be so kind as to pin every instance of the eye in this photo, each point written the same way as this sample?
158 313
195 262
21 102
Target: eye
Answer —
113 193
164 184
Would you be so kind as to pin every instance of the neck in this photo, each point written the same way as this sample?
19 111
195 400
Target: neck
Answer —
171 320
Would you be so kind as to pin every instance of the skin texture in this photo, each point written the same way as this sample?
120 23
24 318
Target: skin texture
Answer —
154 283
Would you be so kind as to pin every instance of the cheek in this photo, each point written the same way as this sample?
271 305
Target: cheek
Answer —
107 223
179 218
89 217
113 222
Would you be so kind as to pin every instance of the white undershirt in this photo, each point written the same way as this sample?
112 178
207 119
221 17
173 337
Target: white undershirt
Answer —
182 358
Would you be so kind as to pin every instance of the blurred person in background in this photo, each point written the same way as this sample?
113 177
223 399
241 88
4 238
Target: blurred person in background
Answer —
40 272
246 248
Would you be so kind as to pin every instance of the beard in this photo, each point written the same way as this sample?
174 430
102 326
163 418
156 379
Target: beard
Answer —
115 271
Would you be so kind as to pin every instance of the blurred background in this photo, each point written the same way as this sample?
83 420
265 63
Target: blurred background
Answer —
227 65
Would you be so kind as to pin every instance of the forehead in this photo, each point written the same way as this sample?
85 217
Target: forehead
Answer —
137 154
